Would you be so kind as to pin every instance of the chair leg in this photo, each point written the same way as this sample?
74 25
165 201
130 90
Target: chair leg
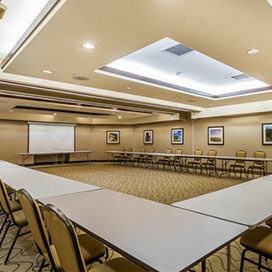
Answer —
13 243
5 233
42 266
4 223
260 262
242 260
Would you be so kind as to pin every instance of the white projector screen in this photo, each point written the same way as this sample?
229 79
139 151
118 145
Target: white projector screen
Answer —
46 137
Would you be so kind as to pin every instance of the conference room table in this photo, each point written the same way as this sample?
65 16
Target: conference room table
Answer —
155 236
224 159
55 155
40 184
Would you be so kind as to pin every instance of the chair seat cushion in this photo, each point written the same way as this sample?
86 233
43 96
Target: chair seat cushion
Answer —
90 247
259 239
14 205
118 265
19 217
269 222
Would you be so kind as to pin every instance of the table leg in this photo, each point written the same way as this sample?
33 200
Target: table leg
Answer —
224 168
228 258
203 266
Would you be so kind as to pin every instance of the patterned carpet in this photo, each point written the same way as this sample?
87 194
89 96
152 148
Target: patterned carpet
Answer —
157 185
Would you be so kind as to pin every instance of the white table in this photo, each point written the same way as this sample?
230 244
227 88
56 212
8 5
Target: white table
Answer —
155 236
5 164
249 203
40 184
29 158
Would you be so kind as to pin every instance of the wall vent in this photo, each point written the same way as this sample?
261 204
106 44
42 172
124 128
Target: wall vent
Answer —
240 77
178 50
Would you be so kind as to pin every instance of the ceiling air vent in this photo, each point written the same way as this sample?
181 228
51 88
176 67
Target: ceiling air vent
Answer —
240 77
178 50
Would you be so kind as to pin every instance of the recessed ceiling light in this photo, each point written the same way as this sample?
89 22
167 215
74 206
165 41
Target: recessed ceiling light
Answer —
119 117
11 110
253 51
127 87
47 71
88 45
54 114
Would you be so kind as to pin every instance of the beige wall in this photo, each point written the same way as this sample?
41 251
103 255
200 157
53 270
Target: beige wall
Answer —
13 140
240 133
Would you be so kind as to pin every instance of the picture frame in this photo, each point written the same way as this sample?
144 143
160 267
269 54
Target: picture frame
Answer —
113 137
148 137
216 135
177 136
267 133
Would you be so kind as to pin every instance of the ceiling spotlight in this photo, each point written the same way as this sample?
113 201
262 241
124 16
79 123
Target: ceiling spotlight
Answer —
47 71
11 110
119 117
54 114
253 51
88 45
3 9
127 88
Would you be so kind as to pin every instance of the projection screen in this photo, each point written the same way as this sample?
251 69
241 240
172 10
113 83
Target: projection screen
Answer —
47 137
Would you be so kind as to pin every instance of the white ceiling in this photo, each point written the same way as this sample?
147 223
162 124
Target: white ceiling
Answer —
196 70
18 18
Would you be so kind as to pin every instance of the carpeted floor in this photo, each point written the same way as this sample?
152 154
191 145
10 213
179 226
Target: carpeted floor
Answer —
157 185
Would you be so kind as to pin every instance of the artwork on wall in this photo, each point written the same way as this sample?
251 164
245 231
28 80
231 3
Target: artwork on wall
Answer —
113 137
267 134
216 135
148 136
177 136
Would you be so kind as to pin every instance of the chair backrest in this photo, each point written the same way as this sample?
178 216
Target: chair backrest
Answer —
259 154
179 151
241 153
168 150
123 149
212 153
151 150
4 198
36 224
143 149
129 149
198 152
64 239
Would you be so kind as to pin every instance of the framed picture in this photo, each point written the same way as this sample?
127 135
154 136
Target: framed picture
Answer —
177 136
148 137
113 137
215 135
267 134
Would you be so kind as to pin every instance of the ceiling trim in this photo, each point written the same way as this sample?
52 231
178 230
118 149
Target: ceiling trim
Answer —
50 6
142 79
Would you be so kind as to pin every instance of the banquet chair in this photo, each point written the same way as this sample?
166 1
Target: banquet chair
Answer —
258 165
165 160
210 164
70 254
196 162
139 158
240 164
128 157
257 240
14 218
177 162
117 158
149 159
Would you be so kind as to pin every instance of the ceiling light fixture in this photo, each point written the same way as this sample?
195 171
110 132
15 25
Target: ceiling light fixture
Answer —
88 45
47 71
253 51
119 117
127 88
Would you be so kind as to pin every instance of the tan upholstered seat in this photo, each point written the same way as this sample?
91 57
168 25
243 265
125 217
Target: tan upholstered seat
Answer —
117 265
165 160
90 247
269 222
240 164
258 165
196 162
258 240
71 254
12 217
210 163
